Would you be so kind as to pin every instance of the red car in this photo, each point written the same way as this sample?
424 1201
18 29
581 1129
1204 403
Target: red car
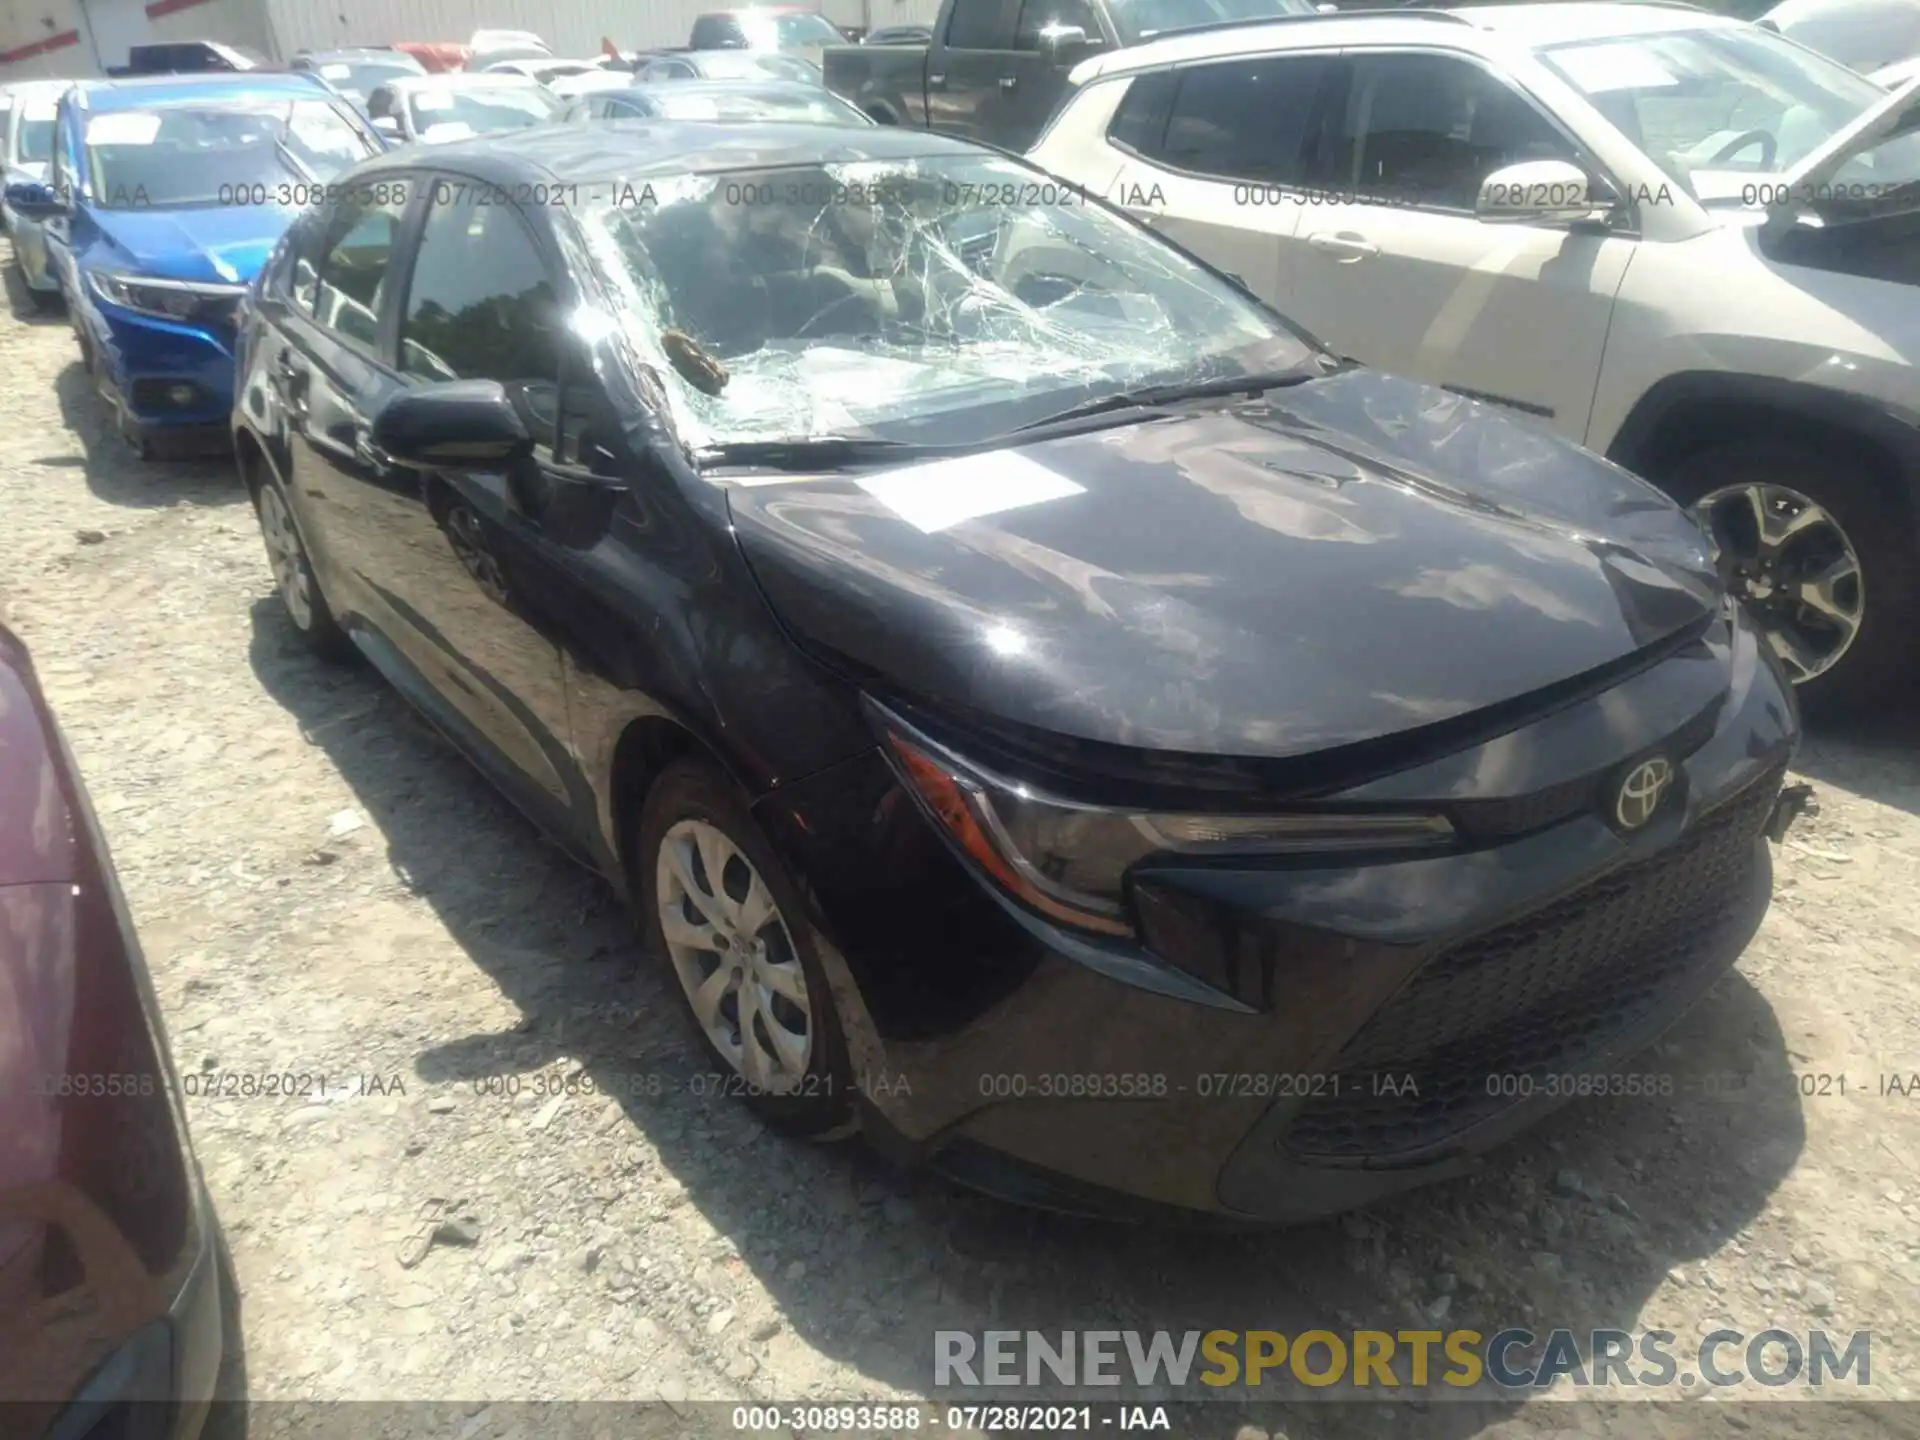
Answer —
112 1296
435 56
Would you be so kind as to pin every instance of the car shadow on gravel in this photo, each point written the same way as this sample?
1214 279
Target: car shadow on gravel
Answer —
1574 1226
117 474
1875 754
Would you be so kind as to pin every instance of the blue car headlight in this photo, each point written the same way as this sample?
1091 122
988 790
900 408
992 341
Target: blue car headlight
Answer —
167 299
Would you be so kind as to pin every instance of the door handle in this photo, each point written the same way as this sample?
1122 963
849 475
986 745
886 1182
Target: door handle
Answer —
289 381
936 82
1009 82
1344 245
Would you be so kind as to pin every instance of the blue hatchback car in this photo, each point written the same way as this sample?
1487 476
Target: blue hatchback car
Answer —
165 197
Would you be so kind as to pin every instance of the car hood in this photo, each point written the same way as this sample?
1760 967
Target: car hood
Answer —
27 170
1345 560
226 244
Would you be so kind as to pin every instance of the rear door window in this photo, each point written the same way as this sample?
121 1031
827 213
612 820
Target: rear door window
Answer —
1246 119
981 25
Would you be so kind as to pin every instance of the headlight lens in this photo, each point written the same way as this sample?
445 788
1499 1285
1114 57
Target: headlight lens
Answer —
170 300
1070 861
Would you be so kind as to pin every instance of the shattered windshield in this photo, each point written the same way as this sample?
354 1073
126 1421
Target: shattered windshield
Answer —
926 300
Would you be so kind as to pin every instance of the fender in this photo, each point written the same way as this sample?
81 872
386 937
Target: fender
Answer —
1892 429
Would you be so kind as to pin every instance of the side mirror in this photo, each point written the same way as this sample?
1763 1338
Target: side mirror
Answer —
1064 46
1544 192
455 425
34 199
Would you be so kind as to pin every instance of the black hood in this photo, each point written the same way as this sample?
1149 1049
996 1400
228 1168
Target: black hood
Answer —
1341 561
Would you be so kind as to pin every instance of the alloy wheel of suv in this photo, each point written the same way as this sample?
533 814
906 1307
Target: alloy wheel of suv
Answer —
1795 568
1815 543
717 904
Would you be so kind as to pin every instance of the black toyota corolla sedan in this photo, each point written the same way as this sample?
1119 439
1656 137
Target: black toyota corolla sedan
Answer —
1045 710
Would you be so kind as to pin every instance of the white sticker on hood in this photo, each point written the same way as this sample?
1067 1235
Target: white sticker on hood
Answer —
335 72
431 100
126 127
448 130
942 493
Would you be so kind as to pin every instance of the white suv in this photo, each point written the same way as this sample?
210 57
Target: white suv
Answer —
1679 239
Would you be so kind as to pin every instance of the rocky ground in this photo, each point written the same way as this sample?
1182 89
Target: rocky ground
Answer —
324 889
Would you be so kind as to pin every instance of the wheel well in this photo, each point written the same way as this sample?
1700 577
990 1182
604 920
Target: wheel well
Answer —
646 747
1690 427
881 115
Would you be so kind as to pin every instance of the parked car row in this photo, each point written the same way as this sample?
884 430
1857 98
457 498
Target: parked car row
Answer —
987 643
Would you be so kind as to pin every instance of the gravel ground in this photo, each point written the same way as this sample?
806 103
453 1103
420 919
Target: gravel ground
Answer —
324 888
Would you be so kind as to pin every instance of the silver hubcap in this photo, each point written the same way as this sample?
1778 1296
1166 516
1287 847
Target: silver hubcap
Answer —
1794 568
734 956
289 564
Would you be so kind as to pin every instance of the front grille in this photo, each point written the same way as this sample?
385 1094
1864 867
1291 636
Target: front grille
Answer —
1534 996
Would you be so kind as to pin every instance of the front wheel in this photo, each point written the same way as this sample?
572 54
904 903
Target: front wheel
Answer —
1822 556
293 574
717 904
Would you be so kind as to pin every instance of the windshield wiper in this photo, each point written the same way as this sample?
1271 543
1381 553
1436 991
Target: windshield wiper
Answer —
1154 397
814 452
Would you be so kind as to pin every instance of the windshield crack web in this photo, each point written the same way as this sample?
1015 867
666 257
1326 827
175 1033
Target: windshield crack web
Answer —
858 299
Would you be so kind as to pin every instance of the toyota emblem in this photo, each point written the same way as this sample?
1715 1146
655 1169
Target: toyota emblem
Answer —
1641 792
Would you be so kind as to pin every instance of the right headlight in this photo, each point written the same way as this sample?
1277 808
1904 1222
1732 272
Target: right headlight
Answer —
1069 861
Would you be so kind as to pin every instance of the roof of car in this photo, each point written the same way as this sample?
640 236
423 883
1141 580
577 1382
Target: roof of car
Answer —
641 150
768 87
1548 24
355 52
139 91
1531 25
27 89
464 79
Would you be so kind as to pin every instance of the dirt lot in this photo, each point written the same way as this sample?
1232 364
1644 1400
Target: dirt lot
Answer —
324 888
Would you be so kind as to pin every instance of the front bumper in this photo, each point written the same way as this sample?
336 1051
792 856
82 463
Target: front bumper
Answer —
1376 1026
159 1384
161 377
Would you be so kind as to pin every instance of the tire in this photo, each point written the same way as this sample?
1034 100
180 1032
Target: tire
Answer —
689 802
1870 520
47 302
299 589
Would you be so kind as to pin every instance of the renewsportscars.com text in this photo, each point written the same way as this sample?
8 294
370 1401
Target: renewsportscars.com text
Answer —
1375 1360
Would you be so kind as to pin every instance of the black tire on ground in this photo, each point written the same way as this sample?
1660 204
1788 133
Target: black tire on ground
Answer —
821 1106
46 301
1868 508
320 632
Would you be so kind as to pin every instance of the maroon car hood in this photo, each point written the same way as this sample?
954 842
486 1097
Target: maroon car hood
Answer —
36 824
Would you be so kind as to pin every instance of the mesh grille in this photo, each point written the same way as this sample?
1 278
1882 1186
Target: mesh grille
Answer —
1535 995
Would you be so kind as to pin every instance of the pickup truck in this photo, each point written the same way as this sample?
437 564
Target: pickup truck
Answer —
186 57
996 70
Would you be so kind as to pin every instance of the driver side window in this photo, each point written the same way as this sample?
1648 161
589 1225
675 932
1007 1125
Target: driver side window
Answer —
1426 130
